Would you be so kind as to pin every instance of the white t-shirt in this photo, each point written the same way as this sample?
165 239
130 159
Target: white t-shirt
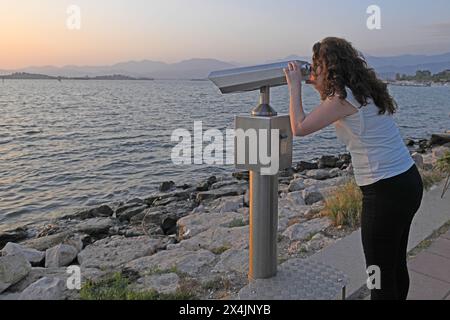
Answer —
374 141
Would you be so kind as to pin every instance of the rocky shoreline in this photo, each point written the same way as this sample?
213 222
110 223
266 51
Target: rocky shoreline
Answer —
184 237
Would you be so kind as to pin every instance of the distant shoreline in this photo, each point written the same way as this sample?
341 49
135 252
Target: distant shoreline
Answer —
31 76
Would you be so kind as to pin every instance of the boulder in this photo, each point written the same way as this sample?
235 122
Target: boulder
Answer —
101 211
230 204
220 193
303 166
197 223
189 262
218 238
95 227
166 186
304 231
167 283
312 195
45 289
440 139
296 185
233 261
418 159
127 214
319 174
113 252
327 162
61 273
12 270
60 256
47 242
14 235
33 256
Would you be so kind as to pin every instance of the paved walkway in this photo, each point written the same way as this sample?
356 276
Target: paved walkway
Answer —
430 271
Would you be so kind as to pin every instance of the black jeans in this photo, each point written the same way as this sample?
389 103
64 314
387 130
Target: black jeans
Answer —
389 207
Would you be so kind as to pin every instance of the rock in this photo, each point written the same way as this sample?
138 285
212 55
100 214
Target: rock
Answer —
287 173
61 273
223 184
243 175
12 270
95 227
197 223
166 198
45 289
318 242
311 196
296 185
113 252
189 262
199 209
233 261
336 172
61 255
303 166
439 139
439 153
303 231
167 283
169 226
126 215
231 204
77 241
295 199
9 297
327 162
156 215
101 211
418 159
220 193
15 235
319 174
206 185
166 186
47 242
219 238
410 143
247 198
33 256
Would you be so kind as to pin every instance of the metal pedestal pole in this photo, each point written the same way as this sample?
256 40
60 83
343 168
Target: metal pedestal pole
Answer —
263 226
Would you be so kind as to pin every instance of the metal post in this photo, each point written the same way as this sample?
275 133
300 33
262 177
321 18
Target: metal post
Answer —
263 212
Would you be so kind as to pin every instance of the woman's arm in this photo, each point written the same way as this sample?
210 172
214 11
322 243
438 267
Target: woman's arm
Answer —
327 113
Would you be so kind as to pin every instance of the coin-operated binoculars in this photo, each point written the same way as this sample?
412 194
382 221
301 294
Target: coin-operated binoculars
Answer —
258 135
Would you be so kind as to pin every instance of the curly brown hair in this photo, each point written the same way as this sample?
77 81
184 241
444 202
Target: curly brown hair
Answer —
344 66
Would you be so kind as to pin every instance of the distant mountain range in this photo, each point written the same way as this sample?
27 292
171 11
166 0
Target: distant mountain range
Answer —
386 67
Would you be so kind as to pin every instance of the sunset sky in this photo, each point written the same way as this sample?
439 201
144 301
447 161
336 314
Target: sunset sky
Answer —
35 32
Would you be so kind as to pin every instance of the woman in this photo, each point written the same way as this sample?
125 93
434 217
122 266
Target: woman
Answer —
361 109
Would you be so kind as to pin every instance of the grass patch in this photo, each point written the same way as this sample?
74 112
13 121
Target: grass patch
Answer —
117 287
236 223
344 205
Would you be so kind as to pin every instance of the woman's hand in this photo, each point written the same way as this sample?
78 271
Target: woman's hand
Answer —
294 75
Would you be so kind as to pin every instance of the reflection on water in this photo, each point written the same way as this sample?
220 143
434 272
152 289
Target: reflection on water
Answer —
65 145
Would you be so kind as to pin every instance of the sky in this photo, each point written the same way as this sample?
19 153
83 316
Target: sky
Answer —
35 33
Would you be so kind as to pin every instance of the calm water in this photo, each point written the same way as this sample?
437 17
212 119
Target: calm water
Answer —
78 143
